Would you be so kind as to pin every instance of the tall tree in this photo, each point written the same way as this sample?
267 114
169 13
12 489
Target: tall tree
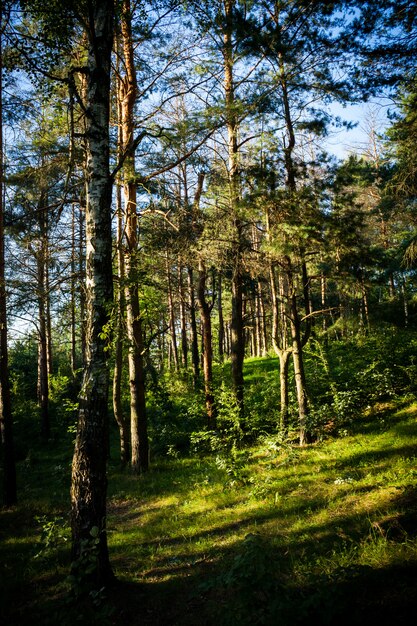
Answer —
237 352
128 94
89 479
6 420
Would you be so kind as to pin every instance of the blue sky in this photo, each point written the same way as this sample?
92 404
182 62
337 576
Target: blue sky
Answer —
343 142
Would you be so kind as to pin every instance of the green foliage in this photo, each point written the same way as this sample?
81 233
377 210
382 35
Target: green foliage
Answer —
90 603
84 567
251 581
23 375
301 532
54 534
174 411
229 434
348 376
63 399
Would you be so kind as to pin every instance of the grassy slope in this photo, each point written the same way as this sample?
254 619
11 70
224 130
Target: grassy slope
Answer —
323 534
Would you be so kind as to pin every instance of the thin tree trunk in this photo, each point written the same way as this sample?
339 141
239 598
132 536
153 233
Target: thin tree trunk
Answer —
121 420
171 313
193 325
48 321
237 346
299 374
207 352
297 341
258 322
284 359
183 320
41 262
82 293
227 338
262 321
43 391
73 350
192 216
365 303
138 419
221 337
6 419
323 284
89 479
280 341
405 302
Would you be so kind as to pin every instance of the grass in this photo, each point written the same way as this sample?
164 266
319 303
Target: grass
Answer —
276 534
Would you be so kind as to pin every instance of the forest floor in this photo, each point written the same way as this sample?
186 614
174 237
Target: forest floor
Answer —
271 534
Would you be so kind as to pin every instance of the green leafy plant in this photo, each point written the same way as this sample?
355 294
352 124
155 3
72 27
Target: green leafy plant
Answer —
54 533
81 578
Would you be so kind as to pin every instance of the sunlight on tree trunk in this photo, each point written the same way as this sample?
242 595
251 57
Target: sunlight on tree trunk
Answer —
89 478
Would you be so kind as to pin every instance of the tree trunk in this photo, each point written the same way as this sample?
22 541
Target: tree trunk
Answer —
193 324
171 313
284 359
262 321
48 321
128 95
280 315
89 479
183 320
297 341
207 346
82 294
120 418
6 420
323 284
42 262
43 391
299 374
237 347
73 349
221 337
405 302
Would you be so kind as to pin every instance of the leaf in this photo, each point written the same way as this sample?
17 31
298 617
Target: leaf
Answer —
95 531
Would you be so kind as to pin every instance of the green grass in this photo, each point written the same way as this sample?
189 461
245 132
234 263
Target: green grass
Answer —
281 534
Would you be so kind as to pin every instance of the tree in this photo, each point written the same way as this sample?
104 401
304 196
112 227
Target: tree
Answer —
127 93
41 260
298 47
6 419
89 480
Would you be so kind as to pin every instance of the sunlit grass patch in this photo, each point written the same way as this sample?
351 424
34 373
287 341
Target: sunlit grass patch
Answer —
274 527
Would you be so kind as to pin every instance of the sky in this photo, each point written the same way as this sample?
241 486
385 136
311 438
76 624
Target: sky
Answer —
366 116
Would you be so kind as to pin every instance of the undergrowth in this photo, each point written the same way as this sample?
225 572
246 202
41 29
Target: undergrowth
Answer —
237 525
277 534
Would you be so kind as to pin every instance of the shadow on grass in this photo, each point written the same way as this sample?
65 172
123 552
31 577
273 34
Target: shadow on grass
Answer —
212 594
251 581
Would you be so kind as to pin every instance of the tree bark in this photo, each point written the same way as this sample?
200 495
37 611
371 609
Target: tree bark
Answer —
171 314
237 347
221 337
138 419
280 341
299 374
284 360
121 420
89 479
193 325
207 346
43 295
73 348
183 320
82 293
6 419
297 341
